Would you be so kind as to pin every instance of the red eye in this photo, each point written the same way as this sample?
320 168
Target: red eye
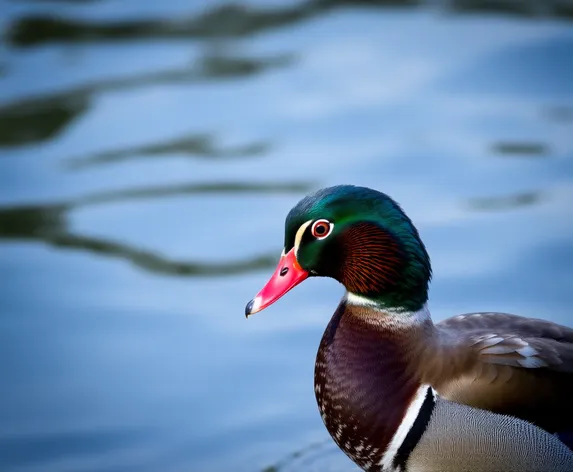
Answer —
321 229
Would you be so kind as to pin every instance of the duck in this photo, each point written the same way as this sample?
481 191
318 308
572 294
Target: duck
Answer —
477 392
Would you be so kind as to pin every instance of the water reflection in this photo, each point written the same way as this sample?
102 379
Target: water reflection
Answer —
506 202
48 224
190 189
521 149
41 118
302 458
191 145
231 20
237 20
29 121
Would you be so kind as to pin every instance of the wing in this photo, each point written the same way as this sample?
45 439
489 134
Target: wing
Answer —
504 339
509 364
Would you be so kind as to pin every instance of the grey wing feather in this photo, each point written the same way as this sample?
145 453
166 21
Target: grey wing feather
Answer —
501 338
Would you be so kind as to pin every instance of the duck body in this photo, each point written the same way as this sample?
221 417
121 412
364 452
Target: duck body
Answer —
477 392
378 408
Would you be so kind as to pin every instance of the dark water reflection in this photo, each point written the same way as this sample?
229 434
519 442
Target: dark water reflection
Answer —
148 155
42 117
236 20
523 149
48 224
196 145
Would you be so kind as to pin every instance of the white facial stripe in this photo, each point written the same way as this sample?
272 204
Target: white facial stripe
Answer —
298 236
405 426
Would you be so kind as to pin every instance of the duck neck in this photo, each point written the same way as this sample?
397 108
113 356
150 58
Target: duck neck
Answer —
372 402
389 305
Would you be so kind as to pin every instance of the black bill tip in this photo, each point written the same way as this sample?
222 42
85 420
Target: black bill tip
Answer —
249 308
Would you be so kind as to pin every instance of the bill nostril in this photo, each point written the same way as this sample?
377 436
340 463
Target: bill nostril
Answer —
284 271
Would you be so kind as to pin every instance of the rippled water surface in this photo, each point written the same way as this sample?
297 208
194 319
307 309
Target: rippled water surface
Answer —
149 153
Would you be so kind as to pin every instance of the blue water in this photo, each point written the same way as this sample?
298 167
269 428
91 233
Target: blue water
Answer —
148 158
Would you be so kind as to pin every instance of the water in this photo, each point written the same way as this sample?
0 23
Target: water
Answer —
149 155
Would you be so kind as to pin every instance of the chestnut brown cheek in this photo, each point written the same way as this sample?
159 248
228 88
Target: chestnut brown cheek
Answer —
372 260
370 274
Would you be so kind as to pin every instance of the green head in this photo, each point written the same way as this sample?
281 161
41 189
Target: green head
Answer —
358 236
366 242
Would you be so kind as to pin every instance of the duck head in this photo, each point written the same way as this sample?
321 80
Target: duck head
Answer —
358 236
